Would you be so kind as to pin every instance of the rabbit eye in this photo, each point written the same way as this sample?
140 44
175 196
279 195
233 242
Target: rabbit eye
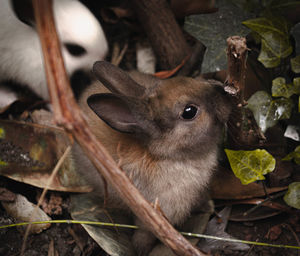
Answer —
189 112
75 49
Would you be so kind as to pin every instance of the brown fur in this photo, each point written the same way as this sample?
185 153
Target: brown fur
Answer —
167 158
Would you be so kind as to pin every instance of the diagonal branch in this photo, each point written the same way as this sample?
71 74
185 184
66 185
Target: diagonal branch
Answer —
68 115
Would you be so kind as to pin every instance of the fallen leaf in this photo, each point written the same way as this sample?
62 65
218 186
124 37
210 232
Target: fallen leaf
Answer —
292 197
267 112
115 241
281 89
293 155
29 153
25 211
168 73
295 64
250 166
227 186
216 227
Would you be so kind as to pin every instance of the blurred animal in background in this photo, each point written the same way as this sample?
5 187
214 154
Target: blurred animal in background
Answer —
82 42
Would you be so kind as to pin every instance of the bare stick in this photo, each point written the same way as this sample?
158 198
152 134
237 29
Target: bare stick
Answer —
166 37
236 59
68 115
243 130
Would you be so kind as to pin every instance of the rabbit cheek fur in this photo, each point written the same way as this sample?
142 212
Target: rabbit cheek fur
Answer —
167 157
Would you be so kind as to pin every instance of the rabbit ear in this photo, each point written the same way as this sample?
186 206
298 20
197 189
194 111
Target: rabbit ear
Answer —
116 80
114 111
222 103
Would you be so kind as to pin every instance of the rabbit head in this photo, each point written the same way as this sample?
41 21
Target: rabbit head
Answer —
175 118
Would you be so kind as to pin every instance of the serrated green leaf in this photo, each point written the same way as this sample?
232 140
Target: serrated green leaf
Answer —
292 197
281 89
277 44
267 112
288 157
295 64
264 26
250 166
296 83
274 32
213 30
293 155
267 57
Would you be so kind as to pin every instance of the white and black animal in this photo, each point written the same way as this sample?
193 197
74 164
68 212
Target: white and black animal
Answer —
163 133
82 41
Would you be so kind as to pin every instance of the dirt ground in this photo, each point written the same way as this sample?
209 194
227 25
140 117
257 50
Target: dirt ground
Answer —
73 240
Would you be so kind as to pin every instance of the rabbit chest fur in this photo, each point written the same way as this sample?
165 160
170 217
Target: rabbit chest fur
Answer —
163 133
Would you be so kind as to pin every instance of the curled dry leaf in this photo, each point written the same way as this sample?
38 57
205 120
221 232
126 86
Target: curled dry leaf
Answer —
24 211
115 241
29 153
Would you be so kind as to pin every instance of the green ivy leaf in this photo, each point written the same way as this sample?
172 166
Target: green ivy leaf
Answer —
274 33
292 196
267 112
293 155
281 89
295 64
250 166
213 30
296 83
267 57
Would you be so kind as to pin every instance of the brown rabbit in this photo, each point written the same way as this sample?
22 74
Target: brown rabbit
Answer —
163 133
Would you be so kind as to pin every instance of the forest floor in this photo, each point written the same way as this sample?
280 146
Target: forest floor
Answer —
275 226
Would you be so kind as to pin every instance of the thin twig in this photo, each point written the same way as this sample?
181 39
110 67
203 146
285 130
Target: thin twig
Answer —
264 202
117 54
83 222
50 180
